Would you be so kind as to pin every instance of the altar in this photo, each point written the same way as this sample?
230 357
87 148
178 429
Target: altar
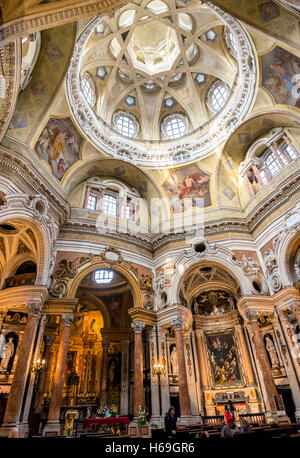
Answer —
117 425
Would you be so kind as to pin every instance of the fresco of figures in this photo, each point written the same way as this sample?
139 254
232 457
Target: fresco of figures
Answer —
59 145
224 361
281 76
188 183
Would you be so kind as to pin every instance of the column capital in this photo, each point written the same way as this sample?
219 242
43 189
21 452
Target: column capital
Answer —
34 309
138 326
67 319
177 324
105 344
252 315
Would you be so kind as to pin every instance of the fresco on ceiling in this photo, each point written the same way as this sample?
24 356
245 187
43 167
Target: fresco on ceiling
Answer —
59 145
187 183
268 11
57 46
279 68
224 360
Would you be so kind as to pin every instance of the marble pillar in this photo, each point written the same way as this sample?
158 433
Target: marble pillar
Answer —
268 384
250 378
139 399
124 407
104 369
184 400
48 341
53 424
15 398
202 359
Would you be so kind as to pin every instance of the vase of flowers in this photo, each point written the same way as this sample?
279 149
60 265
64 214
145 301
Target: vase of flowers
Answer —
142 422
101 412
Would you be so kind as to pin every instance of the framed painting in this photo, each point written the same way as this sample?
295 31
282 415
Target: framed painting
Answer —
224 359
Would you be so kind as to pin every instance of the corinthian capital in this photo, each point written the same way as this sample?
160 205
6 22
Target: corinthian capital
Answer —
177 324
67 319
138 326
251 315
34 309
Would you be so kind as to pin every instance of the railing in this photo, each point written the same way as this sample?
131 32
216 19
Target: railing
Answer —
254 418
20 280
213 420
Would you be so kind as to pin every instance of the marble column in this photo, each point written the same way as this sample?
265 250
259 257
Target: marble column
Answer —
185 407
104 368
124 407
269 386
48 341
15 398
138 400
245 356
53 424
202 358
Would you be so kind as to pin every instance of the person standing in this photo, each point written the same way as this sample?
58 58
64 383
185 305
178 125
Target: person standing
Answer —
232 410
228 416
171 423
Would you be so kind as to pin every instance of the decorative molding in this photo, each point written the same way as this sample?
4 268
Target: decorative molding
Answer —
138 326
225 122
67 319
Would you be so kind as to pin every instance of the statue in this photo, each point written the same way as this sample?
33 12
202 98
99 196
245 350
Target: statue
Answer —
272 352
173 361
8 353
270 260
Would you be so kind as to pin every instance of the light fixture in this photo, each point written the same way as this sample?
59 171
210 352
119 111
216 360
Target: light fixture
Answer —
38 366
158 369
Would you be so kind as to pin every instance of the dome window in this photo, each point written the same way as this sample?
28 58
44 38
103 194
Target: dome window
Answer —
101 72
175 126
157 7
88 89
126 124
103 276
211 36
217 96
200 79
130 101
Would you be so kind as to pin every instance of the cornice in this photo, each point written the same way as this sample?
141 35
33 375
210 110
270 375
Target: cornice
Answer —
144 315
59 306
41 19
18 167
22 296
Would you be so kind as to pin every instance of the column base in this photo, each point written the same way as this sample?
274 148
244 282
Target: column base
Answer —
52 428
14 430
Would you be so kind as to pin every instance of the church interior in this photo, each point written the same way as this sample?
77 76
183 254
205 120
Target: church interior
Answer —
149 215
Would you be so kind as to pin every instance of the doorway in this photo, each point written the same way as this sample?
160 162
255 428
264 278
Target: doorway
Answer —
288 402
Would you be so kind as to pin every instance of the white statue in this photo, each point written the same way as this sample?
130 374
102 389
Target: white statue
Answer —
9 351
173 361
272 352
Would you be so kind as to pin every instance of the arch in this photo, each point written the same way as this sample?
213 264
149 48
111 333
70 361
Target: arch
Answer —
188 261
285 249
92 265
43 231
102 309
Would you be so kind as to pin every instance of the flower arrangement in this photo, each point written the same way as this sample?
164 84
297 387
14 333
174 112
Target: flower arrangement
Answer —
101 412
113 411
141 419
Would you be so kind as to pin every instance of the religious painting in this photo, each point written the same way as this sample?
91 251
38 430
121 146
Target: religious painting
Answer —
268 11
53 52
8 348
59 145
279 76
188 183
115 310
224 359
19 121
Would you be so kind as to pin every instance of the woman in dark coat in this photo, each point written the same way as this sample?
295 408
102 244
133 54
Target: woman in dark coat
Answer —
170 423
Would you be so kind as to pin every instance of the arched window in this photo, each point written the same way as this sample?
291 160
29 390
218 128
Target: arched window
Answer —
110 205
273 164
175 126
103 276
126 124
217 96
88 89
92 203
